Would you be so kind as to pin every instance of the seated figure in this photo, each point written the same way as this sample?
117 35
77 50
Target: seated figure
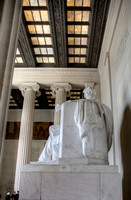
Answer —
94 122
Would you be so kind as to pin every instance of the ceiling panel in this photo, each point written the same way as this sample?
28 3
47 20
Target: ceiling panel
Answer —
18 58
65 33
36 13
74 17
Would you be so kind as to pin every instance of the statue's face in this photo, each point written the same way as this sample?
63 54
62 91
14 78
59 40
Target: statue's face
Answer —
89 93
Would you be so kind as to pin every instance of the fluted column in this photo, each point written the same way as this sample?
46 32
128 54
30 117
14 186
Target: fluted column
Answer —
26 129
9 29
60 91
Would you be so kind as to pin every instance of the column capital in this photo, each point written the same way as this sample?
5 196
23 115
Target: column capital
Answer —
55 87
30 87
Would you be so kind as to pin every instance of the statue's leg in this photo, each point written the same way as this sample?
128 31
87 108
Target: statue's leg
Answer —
47 151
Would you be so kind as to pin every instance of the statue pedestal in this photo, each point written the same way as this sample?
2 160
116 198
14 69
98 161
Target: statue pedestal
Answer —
70 182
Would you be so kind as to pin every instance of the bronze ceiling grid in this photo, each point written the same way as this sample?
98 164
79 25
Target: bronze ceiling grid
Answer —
41 41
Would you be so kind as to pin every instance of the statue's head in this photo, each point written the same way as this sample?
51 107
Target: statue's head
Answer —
89 93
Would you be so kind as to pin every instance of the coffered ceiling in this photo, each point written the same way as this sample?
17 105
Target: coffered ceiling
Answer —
61 33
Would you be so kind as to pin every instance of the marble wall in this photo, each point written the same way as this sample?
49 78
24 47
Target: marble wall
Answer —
45 115
11 146
115 77
9 162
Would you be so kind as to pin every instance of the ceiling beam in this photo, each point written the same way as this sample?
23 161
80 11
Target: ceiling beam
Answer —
45 65
99 18
37 23
44 55
79 55
78 8
25 47
78 35
77 77
78 23
77 46
40 35
34 7
57 15
42 46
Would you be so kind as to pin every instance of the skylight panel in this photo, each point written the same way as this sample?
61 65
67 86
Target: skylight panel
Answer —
36 15
70 3
86 3
32 29
46 29
34 3
28 15
37 20
18 58
78 17
78 2
44 15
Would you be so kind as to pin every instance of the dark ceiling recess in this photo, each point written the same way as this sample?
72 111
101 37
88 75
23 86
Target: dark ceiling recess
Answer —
44 101
58 33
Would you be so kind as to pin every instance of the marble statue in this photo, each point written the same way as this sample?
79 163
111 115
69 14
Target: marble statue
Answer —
94 123
92 119
51 149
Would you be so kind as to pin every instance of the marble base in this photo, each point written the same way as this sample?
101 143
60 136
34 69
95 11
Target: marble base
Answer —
83 160
70 182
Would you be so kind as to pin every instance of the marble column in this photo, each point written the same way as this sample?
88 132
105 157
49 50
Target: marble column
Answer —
10 21
29 92
60 91
5 35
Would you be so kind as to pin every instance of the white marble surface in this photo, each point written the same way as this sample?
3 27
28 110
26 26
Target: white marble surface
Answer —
115 71
41 167
75 161
77 77
30 186
29 91
10 155
66 186
70 182
85 119
43 115
70 142
110 186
